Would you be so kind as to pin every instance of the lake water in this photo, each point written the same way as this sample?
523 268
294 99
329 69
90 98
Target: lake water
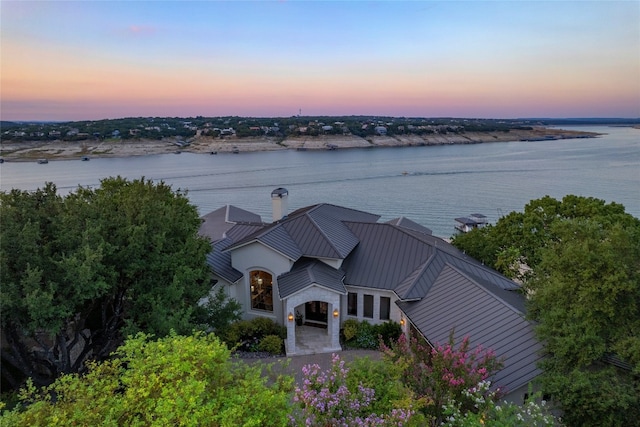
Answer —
430 185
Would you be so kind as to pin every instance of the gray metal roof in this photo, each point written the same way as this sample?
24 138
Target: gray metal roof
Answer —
220 262
409 224
316 231
235 215
240 231
456 302
307 273
216 223
385 256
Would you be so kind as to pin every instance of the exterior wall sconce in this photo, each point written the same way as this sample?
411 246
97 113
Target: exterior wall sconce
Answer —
335 313
402 321
290 317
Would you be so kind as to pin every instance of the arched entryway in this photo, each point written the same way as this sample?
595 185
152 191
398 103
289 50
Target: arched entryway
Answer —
319 331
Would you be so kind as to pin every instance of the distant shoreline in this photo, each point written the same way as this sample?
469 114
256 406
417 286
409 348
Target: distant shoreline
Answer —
114 148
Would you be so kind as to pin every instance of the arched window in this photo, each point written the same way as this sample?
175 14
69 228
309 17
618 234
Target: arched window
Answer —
261 290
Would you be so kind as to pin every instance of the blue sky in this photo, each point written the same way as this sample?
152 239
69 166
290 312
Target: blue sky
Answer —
90 60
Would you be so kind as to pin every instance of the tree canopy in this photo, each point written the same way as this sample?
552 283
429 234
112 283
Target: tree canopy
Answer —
81 272
173 381
584 294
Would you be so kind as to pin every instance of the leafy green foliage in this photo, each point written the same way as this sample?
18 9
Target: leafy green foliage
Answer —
245 335
175 380
362 334
80 272
350 329
326 398
519 237
219 312
488 410
441 373
271 344
385 379
584 292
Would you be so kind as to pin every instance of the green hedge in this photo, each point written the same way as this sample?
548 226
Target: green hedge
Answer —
364 335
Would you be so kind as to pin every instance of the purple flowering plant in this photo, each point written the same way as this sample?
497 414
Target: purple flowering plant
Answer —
325 400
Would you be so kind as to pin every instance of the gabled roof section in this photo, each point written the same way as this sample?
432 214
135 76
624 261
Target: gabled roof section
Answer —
408 262
316 231
385 257
307 273
456 302
220 262
240 231
215 224
410 225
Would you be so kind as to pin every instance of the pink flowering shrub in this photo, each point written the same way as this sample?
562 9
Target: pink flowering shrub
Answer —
442 373
326 400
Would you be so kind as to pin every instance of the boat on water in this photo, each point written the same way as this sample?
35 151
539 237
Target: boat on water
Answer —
235 150
1 160
213 153
43 161
85 158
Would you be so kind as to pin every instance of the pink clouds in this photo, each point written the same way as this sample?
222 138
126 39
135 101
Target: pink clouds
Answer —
141 30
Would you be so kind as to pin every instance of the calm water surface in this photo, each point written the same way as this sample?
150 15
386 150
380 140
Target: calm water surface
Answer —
430 185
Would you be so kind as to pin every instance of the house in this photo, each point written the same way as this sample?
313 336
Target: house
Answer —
330 263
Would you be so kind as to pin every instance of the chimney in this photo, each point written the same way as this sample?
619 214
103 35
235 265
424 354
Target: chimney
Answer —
279 203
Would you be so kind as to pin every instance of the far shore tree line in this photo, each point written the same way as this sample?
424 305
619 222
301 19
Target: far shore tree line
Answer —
101 323
151 128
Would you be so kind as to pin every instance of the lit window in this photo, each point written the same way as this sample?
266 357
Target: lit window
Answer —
261 290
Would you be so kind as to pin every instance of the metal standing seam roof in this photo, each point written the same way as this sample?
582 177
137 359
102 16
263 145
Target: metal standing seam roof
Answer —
409 224
235 214
241 230
385 256
309 273
220 262
218 222
316 231
456 302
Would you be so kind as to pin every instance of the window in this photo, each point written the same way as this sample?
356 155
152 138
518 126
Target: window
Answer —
368 306
261 290
352 304
385 308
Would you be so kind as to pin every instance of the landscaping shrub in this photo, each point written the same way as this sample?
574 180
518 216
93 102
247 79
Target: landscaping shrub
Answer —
365 335
389 332
271 344
246 335
350 329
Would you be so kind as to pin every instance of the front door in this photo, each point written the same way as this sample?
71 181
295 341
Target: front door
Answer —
316 312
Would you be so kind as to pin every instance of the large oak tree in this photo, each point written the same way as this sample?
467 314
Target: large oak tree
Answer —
584 294
81 272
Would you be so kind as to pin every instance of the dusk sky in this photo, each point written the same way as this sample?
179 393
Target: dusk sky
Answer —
84 60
